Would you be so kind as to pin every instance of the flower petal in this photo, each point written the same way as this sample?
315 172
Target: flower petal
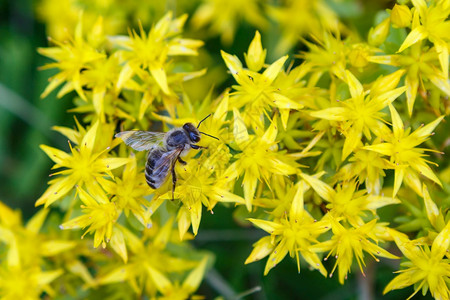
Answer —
441 243
430 206
352 140
267 226
397 123
417 34
161 282
233 63
355 87
297 209
256 55
273 70
382 148
412 85
35 223
118 244
261 249
240 130
398 179
48 276
324 190
442 50
192 282
159 74
58 156
54 247
423 132
331 114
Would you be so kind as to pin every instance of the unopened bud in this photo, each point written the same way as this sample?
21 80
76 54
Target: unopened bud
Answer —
401 16
379 33
358 55
256 55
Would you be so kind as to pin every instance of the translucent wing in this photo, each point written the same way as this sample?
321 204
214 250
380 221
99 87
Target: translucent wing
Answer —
166 161
157 173
142 140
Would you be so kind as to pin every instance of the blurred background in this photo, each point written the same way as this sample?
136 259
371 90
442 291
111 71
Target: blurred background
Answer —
26 119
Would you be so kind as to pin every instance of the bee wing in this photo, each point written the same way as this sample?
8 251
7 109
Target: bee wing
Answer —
142 140
167 161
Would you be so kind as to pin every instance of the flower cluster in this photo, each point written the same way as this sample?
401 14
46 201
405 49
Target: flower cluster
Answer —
309 148
120 82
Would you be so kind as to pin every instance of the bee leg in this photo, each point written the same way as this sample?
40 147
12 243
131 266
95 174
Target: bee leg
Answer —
196 147
174 180
181 161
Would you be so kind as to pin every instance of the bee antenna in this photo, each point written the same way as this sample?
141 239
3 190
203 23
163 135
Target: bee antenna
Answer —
203 120
209 135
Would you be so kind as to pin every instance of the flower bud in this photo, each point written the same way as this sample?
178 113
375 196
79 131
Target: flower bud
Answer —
256 55
401 16
358 55
379 33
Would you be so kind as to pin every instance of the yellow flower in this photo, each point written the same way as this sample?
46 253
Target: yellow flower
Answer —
327 53
408 160
368 167
258 157
298 86
24 272
72 58
257 91
421 65
222 17
176 290
26 283
146 254
101 78
196 188
431 22
128 192
293 233
347 203
99 214
83 166
151 51
362 114
61 16
426 269
26 245
349 242
302 17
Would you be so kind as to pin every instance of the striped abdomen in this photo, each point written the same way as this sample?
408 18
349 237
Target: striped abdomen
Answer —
157 167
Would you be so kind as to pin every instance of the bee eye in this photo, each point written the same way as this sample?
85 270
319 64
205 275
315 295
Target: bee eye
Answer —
194 137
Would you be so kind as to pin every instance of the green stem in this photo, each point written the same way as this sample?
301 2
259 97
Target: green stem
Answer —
22 109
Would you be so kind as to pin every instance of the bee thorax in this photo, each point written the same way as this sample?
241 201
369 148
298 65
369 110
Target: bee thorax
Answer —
176 138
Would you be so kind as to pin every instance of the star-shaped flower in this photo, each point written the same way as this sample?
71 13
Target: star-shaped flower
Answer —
401 146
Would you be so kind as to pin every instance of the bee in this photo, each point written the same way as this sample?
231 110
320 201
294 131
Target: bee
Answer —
164 150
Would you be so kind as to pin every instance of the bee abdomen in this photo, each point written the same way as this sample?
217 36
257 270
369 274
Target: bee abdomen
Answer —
150 181
156 169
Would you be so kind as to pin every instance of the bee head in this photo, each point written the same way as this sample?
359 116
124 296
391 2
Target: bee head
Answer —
192 132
